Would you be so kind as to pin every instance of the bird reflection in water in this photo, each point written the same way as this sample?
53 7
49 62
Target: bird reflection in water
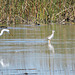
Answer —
51 48
3 64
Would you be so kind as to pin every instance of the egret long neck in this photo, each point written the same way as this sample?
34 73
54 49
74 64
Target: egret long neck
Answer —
1 32
53 33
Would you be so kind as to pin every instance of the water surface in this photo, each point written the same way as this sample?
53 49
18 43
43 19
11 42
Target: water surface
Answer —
27 52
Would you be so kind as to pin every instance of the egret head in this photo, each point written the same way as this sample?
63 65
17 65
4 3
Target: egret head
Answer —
53 31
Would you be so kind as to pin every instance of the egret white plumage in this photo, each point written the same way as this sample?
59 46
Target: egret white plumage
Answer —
4 30
51 36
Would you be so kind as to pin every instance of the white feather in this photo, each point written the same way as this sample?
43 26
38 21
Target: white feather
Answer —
3 31
51 36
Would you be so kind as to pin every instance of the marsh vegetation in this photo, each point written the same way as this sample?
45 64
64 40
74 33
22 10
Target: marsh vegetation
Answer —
37 11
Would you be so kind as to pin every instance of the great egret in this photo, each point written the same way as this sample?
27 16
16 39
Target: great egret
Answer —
6 30
51 36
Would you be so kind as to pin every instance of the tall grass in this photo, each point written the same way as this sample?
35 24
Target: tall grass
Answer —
36 11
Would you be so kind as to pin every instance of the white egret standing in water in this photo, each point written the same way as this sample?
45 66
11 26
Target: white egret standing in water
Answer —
4 30
51 36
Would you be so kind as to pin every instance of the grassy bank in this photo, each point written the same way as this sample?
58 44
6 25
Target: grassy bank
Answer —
37 11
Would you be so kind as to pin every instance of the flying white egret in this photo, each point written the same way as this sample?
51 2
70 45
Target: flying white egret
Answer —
51 36
4 30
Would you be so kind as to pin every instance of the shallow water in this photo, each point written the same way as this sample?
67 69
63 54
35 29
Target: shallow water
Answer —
27 52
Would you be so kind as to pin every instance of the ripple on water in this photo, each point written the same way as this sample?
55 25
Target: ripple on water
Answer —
23 41
20 28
